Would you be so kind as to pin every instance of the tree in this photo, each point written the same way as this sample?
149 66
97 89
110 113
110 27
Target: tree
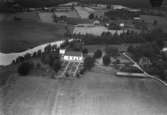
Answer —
39 53
27 56
91 16
106 60
113 26
25 68
20 59
111 51
88 63
156 3
55 18
48 49
56 65
160 44
85 51
108 6
77 46
97 54
46 59
155 22
130 49
64 44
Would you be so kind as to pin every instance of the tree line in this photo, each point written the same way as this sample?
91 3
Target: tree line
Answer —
128 37
152 51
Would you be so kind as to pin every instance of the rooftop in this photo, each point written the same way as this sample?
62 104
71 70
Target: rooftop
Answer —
73 53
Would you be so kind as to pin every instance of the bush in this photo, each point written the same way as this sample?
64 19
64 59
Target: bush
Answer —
47 49
88 63
111 51
25 68
85 51
56 65
91 16
82 71
97 54
64 44
46 59
106 60
20 59
27 56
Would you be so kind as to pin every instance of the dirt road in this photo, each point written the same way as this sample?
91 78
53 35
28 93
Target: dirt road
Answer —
93 94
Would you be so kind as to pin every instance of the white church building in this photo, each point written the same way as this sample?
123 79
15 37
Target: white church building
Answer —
72 56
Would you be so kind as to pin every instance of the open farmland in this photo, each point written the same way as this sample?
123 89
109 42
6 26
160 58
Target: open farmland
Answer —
71 14
94 94
30 96
83 13
19 36
84 29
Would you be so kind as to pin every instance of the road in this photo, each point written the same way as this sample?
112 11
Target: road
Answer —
94 94
146 74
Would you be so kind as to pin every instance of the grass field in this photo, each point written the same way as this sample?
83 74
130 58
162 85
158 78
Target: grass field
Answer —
19 36
94 94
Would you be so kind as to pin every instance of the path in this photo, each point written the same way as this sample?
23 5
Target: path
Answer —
146 74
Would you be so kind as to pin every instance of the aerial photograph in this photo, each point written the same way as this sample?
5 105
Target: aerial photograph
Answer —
83 57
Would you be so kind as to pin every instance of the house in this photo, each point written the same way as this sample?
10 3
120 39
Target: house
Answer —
62 51
73 56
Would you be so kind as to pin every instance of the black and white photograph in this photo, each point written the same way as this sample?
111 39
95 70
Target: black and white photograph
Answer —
83 57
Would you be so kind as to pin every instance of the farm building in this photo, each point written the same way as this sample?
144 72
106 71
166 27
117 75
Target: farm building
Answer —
73 56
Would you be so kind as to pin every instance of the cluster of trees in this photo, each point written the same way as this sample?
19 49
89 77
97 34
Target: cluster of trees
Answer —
122 14
48 49
128 37
50 56
25 68
97 54
106 60
89 63
153 52
114 26
109 52
156 3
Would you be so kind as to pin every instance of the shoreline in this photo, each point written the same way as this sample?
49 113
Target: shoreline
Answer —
7 58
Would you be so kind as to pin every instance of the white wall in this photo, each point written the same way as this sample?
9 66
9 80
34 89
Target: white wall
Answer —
73 58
